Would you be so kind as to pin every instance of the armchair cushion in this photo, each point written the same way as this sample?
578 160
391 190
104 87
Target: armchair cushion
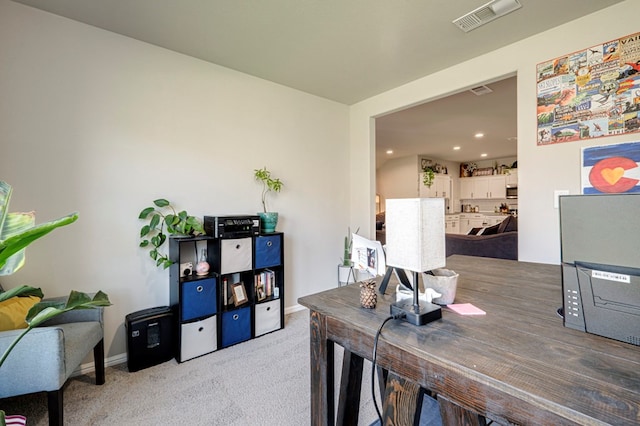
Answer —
13 312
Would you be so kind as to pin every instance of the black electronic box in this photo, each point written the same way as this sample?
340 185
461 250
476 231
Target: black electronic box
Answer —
150 337
231 226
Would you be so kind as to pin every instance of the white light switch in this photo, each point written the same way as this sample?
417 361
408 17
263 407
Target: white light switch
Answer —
556 195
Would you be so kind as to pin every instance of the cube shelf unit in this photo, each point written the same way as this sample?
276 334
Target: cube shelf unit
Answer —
209 316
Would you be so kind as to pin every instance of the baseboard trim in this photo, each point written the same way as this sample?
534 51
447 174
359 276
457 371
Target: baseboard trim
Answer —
294 308
90 367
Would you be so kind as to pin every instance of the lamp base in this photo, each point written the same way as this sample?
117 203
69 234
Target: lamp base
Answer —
426 313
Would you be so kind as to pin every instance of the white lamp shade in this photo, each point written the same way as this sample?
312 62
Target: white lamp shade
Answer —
415 233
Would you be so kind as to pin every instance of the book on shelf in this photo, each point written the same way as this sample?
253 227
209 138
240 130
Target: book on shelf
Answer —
265 283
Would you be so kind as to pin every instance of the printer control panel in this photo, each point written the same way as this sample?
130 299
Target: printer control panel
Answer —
572 303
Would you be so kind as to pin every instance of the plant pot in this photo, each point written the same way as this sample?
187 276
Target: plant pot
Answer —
346 275
268 222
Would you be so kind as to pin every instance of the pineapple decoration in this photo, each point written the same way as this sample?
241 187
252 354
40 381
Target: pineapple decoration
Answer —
368 296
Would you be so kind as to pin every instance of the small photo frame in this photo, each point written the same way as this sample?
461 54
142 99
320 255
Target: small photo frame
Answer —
239 293
260 293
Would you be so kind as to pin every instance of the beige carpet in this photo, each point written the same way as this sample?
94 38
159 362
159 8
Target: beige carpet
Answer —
264 381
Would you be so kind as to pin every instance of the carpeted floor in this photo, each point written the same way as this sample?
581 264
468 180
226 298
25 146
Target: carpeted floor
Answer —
264 381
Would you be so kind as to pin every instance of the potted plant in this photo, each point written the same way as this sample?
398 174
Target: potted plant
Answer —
268 220
163 215
345 271
17 231
428 174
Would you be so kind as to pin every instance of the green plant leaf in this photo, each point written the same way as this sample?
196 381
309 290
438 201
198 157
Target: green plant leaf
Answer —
145 230
16 223
155 220
19 241
144 243
5 196
161 202
144 213
22 291
172 219
46 310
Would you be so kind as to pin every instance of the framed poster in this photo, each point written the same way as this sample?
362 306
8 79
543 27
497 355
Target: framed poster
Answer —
591 93
611 169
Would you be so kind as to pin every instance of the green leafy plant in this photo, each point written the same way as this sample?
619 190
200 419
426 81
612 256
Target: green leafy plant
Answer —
268 184
163 215
17 231
427 176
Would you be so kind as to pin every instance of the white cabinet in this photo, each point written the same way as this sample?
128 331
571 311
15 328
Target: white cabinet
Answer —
483 187
493 220
452 224
441 187
512 178
497 186
469 221
466 188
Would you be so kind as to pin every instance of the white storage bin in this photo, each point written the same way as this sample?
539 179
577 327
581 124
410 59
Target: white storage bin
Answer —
267 317
198 338
236 255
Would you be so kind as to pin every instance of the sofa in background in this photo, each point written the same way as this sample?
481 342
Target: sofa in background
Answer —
498 241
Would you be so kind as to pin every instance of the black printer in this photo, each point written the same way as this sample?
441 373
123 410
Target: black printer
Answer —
600 243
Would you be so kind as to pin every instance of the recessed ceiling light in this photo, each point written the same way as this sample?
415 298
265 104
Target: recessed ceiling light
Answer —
479 135
456 148
389 151
483 155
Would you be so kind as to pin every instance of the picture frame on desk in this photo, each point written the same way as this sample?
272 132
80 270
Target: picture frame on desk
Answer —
239 293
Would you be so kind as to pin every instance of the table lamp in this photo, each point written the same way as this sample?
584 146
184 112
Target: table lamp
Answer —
415 242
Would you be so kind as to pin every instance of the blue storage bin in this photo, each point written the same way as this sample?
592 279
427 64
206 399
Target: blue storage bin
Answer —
236 326
198 299
268 251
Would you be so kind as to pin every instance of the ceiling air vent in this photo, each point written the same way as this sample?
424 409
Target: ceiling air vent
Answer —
480 90
486 13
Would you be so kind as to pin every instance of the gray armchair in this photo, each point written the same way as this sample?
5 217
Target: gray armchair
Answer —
45 358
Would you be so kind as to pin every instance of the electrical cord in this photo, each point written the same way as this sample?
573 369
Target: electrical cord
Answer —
373 363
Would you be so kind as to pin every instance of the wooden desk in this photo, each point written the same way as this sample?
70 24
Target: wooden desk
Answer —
516 364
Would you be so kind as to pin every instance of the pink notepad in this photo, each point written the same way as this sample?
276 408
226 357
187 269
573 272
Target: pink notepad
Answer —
466 309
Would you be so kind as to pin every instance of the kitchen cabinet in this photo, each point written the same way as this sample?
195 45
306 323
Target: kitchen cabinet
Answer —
512 178
469 221
483 187
452 224
491 220
441 187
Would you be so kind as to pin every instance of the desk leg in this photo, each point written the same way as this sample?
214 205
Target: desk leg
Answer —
350 388
454 415
322 372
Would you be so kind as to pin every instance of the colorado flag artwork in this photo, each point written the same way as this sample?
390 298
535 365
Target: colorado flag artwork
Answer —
611 169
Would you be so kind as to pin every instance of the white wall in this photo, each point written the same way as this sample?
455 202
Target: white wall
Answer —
541 170
94 122
397 178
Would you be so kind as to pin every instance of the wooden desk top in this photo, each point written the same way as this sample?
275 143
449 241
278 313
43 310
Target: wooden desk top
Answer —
517 363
